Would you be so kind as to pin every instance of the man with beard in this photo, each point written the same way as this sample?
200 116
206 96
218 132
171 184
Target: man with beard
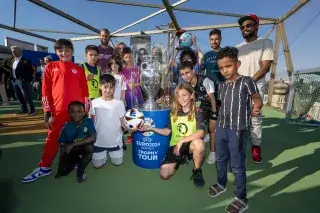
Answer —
211 70
105 51
209 60
256 56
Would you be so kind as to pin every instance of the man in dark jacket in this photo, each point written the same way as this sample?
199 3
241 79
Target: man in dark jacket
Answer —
21 77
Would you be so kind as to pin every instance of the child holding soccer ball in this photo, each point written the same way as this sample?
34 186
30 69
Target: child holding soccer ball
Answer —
186 126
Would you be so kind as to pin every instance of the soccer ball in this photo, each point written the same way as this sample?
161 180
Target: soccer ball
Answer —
133 119
185 40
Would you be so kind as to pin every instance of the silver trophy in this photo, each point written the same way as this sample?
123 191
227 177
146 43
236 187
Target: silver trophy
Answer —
150 80
153 63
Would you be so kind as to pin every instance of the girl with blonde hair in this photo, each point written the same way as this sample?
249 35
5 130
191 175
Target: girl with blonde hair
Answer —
187 130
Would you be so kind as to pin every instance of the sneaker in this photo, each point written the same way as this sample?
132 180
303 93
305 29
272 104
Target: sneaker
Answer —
197 178
31 113
82 178
206 138
211 158
256 154
5 104
36 174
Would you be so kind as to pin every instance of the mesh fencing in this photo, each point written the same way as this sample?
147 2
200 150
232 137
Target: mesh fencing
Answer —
304 101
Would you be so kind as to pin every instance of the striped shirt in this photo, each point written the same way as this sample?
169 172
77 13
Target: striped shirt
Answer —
236 103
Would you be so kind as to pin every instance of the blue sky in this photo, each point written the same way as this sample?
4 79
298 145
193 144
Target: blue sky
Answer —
305 49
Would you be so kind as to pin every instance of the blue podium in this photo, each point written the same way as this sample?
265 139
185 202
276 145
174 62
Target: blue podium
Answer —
150 148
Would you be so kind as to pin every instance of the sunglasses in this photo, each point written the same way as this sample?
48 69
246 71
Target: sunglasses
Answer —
248 26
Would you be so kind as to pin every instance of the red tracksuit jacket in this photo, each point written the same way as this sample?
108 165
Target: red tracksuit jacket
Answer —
63 82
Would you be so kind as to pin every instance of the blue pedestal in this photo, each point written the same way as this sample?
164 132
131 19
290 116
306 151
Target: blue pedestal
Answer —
150 148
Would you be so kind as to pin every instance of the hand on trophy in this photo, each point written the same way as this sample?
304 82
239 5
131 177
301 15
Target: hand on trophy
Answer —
145 128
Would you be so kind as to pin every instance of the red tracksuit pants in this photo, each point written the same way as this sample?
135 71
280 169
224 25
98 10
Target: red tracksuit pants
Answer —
51 146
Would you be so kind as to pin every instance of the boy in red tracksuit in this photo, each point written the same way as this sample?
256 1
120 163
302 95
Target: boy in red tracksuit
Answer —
63 82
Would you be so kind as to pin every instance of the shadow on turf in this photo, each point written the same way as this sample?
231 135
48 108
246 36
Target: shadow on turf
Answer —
7 196
283 136
304 198
276 140
8 200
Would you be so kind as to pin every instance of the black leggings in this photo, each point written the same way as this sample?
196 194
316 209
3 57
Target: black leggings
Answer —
80 155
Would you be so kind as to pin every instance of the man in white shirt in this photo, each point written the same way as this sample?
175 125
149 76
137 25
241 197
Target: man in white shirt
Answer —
256 56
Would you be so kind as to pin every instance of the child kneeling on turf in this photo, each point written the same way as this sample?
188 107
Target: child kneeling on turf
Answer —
186 126
76 142
107 113
236 96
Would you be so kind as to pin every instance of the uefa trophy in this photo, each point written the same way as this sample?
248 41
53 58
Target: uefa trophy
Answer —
150 79
148 149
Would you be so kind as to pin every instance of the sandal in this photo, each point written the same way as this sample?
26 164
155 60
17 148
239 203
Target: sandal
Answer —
216 190
237 206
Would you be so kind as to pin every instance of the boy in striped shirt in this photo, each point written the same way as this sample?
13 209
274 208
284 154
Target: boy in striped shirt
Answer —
236 96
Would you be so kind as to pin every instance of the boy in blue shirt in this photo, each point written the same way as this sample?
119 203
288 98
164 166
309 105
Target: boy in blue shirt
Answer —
76 142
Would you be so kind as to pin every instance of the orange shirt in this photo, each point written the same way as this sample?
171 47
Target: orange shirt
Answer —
63 82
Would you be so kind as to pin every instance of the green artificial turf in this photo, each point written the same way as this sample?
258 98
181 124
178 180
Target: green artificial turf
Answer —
287 180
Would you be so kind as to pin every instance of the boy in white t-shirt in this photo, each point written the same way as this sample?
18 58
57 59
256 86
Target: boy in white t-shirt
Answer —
107 113
115 64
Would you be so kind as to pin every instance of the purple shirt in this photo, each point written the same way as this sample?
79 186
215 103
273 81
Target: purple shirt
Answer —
132 75
104 57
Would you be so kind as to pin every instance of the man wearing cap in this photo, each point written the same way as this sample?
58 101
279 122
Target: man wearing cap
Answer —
256 55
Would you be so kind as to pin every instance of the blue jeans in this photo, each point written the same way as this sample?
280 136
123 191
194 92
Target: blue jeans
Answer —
230 146
23 92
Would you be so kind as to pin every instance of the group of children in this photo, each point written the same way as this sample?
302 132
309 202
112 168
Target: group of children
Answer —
98 134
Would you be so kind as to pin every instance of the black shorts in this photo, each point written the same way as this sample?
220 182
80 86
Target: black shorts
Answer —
207 115
79 155
171 157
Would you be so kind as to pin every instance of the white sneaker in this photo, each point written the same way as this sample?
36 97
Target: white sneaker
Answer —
211 158
5 104
36 174
206 138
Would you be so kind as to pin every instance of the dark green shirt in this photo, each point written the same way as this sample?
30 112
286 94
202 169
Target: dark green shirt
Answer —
211 68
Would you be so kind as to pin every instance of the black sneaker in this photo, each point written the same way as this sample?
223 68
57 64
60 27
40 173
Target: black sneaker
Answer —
183 160
82 178
197 177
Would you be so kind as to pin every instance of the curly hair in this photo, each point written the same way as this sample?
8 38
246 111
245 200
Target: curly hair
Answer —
186 65
188 56
229 52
